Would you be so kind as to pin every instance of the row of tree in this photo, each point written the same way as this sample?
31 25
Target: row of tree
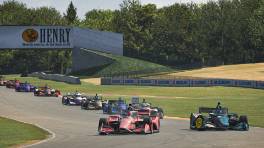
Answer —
214 33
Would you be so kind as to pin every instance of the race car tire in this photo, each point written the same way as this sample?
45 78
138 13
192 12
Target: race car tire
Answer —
192 121
83 105
161 113
198 123
244 121
102 122
147 121
65 101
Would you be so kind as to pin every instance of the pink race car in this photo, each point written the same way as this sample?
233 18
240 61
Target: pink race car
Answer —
135 122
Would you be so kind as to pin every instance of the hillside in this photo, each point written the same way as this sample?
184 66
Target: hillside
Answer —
124 66
240 71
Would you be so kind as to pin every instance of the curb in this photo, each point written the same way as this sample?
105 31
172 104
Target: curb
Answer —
176 118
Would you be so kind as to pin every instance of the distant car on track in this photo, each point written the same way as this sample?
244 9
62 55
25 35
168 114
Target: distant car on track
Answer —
12 83
73 99
46 91
137 106
115 107
92 102
2 81
217 118
135 122
25 87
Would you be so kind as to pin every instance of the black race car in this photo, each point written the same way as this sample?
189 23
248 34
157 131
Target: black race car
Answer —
217 118
92 102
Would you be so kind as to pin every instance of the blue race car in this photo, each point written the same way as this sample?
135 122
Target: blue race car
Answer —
217 118
115 107
73 99
25 87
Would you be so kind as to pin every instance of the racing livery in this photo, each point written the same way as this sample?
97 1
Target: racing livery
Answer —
135 122
92 102
218 118
46 91
25 87
137 106
73 99
12 83
115 107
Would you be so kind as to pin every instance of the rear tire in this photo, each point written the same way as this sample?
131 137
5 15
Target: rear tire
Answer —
191 121
244 121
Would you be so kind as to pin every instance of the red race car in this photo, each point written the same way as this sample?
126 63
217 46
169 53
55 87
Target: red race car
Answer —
46 91
12 83
147 122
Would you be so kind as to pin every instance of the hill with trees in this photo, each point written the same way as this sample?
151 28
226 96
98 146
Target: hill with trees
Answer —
180 35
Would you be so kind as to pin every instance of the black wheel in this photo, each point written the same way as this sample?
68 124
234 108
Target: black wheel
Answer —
65 101
161 113
101 124
192 121
244 121
147 121
83 103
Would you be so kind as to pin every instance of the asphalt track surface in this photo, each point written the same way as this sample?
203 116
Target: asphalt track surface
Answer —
76 128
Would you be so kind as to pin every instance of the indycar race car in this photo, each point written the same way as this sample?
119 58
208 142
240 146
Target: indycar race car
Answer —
25 87
46 91
137 106
2 81
115 107
218 118
12 83
92 102
73 99
135 122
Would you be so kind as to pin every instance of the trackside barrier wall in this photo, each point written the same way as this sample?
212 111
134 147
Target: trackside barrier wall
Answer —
183 83
56 77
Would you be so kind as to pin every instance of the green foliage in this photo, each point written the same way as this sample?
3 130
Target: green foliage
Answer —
98 19
71 14
181 35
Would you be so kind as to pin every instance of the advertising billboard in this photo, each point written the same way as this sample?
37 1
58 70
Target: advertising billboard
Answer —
16 37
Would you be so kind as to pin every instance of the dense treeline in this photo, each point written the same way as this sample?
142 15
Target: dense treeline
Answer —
215 33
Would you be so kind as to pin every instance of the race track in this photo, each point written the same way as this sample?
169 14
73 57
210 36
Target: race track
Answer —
76 128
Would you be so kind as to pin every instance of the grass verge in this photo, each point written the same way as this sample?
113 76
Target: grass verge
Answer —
14 133
176 101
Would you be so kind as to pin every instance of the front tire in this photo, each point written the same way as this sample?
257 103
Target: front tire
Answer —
199 123
101 124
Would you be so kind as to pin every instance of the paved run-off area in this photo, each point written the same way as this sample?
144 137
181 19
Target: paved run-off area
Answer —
77 128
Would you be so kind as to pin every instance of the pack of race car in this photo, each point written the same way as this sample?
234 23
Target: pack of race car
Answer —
136 117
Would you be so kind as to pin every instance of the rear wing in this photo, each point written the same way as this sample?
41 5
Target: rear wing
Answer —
224 110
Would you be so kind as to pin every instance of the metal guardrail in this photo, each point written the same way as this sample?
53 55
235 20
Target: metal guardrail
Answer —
56 77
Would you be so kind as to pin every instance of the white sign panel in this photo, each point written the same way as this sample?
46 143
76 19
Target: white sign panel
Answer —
14 37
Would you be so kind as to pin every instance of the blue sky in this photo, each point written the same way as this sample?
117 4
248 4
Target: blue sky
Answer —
85 5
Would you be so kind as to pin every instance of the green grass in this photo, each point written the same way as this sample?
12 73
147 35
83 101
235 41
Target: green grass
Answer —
177 101
125 65
14 133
